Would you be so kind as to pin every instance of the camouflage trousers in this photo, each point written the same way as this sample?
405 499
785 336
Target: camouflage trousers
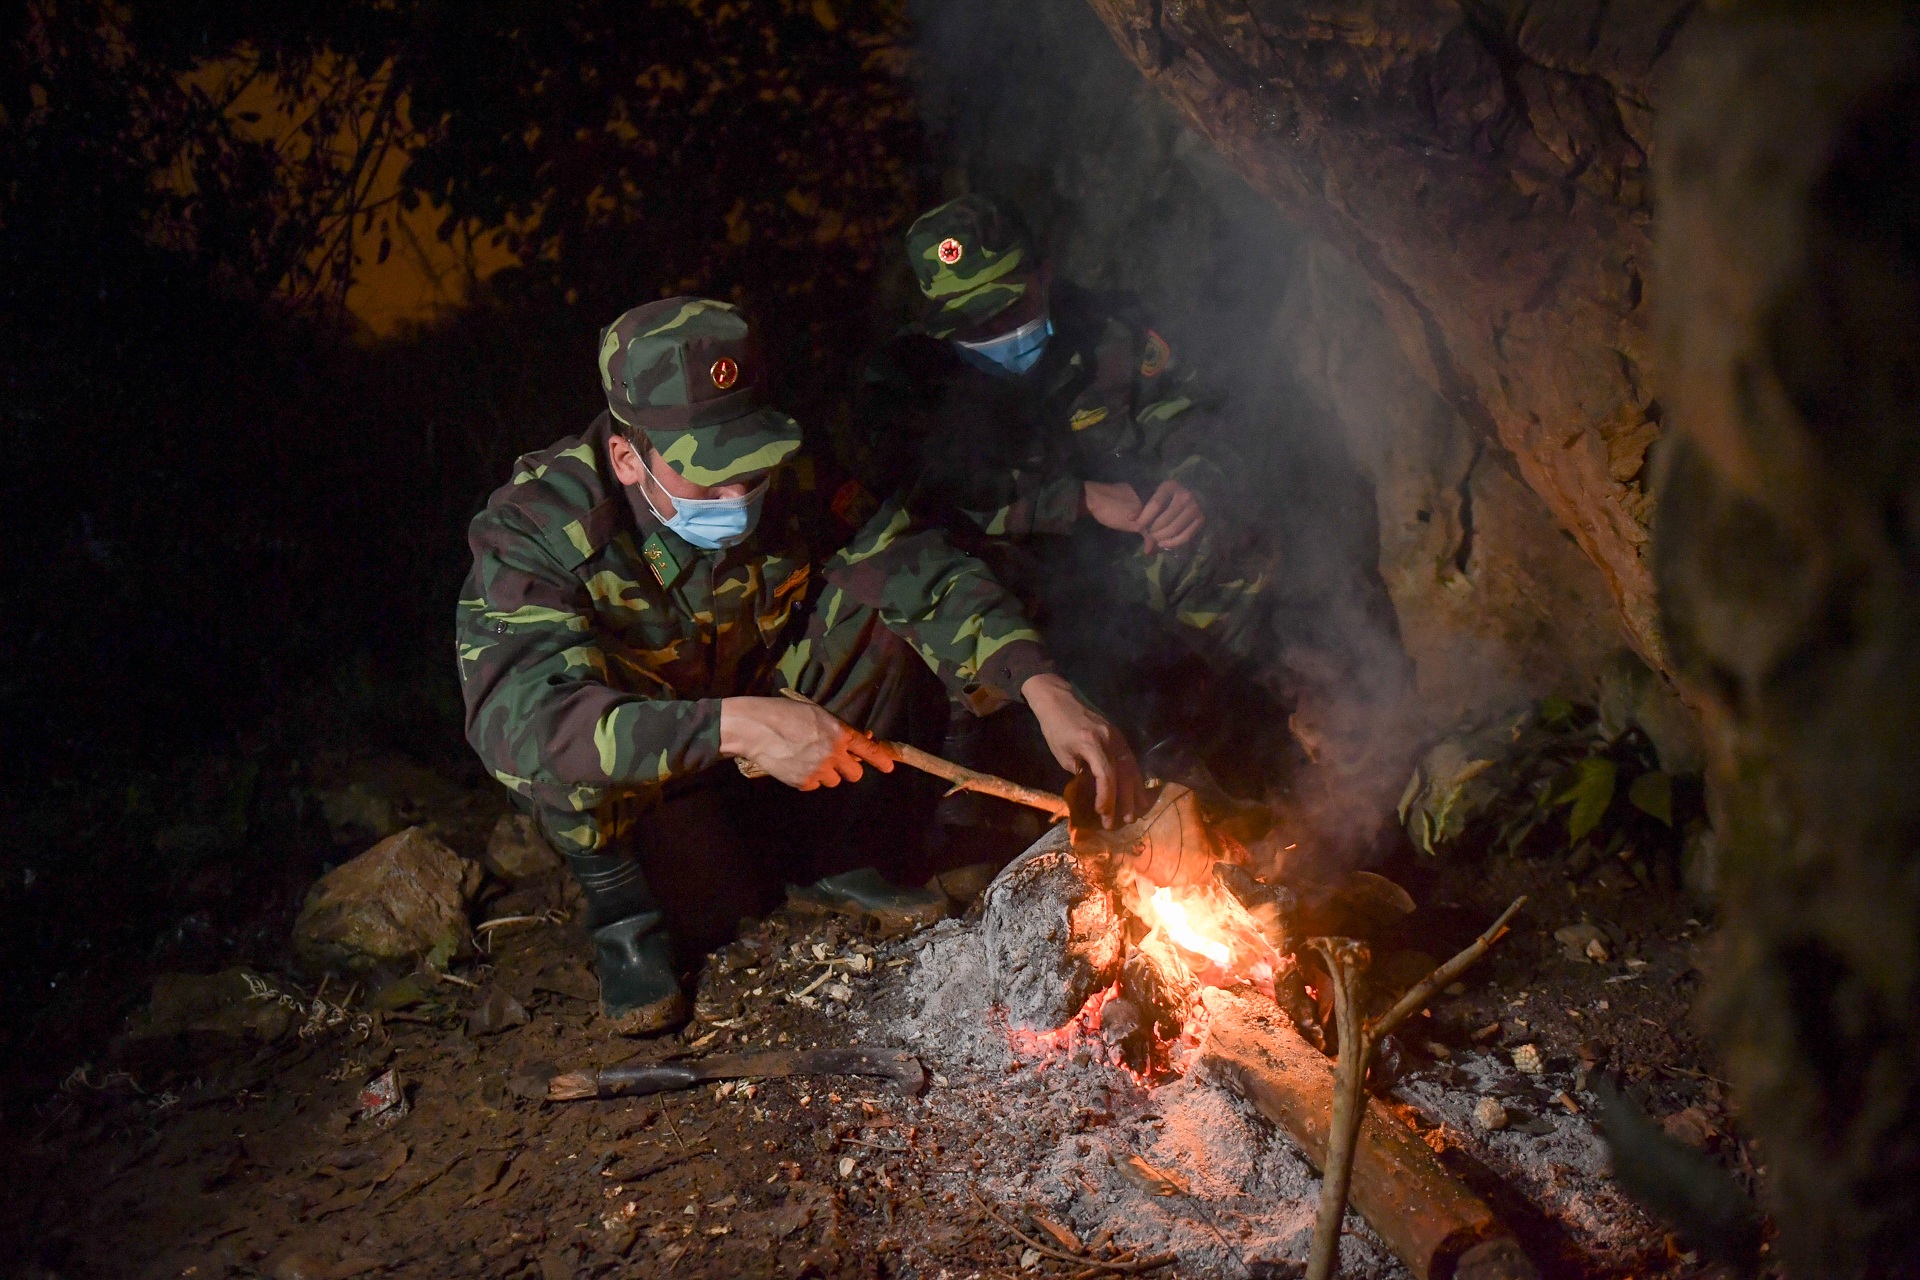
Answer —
845 659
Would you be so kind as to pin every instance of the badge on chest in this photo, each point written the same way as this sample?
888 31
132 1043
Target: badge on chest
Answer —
659 559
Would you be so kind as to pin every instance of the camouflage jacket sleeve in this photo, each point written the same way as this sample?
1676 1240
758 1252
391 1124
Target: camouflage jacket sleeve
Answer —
968 628
898 444
1013 503
541 710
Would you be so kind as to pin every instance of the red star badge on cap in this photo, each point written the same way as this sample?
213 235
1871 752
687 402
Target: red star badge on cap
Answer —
950 251
724 373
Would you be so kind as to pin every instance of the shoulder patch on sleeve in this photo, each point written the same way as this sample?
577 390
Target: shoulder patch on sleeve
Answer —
1155 355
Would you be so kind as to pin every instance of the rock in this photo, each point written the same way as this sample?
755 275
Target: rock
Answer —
1582 942
1488 1114
1788 327
357 809
1490 180
497 1011
233 1002
402 900
1052 935
517 851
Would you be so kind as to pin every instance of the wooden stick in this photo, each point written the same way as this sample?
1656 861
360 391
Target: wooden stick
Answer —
1119 1264
1426 1216
1346 963
1418 995
963 778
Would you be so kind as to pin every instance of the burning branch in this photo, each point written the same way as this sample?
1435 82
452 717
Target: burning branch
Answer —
1346 963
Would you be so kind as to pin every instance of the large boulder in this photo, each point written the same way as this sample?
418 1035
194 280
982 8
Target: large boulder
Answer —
401 901
1053 936
1788 558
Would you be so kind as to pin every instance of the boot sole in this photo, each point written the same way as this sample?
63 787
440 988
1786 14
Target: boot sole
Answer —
648 1019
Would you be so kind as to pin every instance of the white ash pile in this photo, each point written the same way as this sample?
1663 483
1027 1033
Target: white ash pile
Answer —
1060 1026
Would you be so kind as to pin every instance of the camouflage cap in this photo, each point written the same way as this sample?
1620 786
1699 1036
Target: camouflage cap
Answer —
973 260
686 371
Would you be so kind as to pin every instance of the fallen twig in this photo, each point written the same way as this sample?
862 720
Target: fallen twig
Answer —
1346 962
1093 1266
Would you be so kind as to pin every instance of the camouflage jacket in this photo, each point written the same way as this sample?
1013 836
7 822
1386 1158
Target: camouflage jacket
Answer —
1107 402
594 643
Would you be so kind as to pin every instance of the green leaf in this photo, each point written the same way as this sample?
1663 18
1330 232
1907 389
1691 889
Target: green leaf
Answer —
1590 792
1652 794
1557 712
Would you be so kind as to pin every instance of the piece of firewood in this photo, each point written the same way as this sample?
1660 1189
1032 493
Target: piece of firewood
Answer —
1430 1220
1347 962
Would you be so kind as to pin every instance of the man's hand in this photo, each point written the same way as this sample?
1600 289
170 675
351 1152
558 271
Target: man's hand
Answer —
1171 517
802 745
1082 738
1116 506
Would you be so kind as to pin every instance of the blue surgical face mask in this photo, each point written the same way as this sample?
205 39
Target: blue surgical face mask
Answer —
1013 352
710 524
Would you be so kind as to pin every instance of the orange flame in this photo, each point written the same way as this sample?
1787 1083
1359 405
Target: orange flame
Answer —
1172 915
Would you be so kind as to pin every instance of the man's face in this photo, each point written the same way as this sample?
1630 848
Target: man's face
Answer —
662 482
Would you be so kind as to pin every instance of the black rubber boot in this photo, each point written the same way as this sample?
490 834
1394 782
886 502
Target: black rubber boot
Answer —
639 986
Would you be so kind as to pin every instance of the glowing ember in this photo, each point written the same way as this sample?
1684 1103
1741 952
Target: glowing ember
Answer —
1172 915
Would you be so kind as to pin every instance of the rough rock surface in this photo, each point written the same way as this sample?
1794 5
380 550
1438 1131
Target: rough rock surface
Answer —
1485 167
1052 935
1496 605
1788 560
403 899
233 1002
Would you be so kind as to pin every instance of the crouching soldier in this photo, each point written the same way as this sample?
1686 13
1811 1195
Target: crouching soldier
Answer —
1051 431
640 595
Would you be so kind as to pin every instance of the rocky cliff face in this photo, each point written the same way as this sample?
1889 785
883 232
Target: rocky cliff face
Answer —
1484 167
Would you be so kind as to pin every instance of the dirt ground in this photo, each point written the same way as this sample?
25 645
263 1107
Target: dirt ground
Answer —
221 1156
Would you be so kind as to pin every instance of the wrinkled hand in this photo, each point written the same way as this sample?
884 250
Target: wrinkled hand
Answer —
1116 506
1082 738
1170 518
802 745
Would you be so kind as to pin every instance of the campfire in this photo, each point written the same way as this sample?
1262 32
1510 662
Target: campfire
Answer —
1154 949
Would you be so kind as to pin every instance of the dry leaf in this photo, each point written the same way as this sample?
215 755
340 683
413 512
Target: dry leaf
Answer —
1149 1179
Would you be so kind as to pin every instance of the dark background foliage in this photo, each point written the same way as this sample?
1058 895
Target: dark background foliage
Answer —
234 530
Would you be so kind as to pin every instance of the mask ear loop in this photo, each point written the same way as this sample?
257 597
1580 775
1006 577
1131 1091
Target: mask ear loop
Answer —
643 488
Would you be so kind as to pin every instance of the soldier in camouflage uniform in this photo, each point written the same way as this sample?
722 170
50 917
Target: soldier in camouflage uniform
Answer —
1057 435
641 591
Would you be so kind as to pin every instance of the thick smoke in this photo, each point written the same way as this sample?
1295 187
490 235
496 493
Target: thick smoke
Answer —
1035 105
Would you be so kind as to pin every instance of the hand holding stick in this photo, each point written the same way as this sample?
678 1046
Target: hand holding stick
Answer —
962 778
1346 962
